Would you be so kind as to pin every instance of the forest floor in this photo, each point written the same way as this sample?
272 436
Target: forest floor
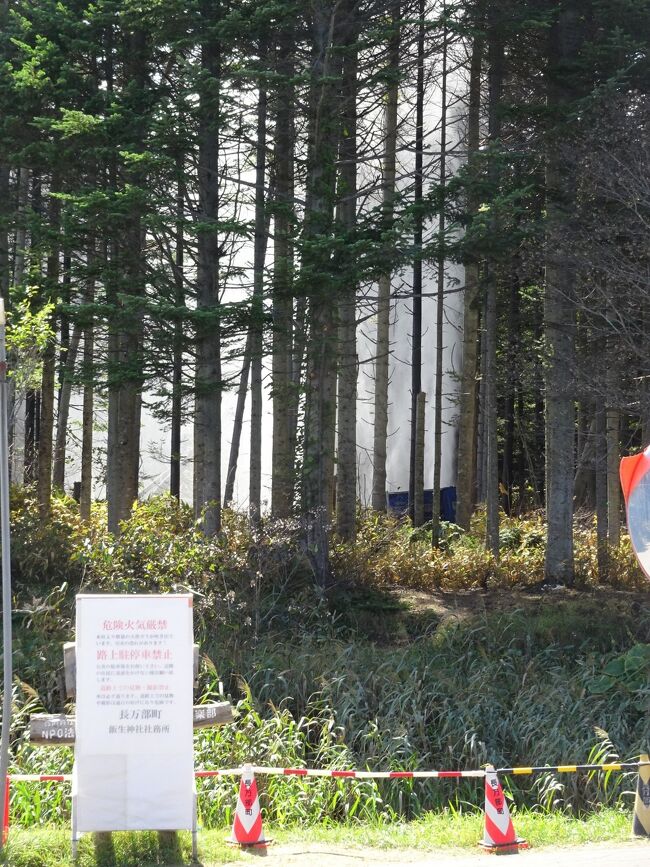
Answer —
397 615
466 603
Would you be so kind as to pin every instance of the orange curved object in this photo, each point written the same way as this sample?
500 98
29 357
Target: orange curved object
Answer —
635 482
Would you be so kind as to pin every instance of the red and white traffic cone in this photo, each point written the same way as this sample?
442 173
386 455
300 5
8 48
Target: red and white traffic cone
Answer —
247 827
499 834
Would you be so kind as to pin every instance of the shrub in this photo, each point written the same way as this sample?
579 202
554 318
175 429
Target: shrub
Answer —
387 553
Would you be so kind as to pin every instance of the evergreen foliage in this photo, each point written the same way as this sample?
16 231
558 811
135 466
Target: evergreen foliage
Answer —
192 191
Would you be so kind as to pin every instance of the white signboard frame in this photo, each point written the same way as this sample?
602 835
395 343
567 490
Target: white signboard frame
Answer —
134 751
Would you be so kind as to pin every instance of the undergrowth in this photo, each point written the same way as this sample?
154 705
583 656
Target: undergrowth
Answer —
353 679
388 552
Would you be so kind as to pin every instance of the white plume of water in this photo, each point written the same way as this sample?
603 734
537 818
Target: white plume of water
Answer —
155 438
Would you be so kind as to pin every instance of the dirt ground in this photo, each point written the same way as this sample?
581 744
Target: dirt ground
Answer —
464 603
633 854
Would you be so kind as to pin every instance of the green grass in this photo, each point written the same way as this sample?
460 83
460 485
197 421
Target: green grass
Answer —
50 847
463 831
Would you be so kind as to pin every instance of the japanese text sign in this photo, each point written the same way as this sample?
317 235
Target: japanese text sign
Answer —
134 743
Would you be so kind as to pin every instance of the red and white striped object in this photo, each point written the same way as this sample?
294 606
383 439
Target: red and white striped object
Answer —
499 833
346 774
288 772
247 827
40 778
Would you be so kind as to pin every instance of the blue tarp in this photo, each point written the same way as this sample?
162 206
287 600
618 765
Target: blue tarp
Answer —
397 503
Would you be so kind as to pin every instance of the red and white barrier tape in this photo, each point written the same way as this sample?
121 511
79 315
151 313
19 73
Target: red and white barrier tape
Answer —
283 772
40 778
354 775
362 775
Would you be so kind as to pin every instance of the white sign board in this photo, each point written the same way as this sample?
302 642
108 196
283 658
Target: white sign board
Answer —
134 741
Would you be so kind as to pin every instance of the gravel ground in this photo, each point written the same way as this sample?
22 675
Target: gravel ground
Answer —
633 854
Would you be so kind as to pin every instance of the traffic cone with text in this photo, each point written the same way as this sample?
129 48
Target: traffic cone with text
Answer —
247 827
641 821
499 833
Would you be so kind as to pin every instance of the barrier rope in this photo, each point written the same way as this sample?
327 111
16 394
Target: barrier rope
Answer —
370 775
355 775
573 769
40 778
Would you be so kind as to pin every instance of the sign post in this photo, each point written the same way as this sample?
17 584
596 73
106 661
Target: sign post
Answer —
6 564
134 766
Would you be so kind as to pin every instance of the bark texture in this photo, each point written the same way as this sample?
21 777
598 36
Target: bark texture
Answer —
285 391
467 416
320 409
382 339
346 470
559 309
257 314
207 416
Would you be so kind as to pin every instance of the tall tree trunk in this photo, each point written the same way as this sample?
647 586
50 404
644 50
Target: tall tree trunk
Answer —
21 226
46 430
511 397
559 308
317 278
88 409
417 509
64 320
66 367
110 256
128 417
126 342
4 233
466 477
58 472
298 375
418 498
238 422
32 398
495 79
346 470
132 337
584 485
17 399
613 436
257 313
110 250
30 443
207 418
440 301
242 388
601 492
284 394
481 438
177 352
382 341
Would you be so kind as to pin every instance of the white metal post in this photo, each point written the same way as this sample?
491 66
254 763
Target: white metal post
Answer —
6 560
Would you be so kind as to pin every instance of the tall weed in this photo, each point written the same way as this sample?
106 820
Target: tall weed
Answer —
313 687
